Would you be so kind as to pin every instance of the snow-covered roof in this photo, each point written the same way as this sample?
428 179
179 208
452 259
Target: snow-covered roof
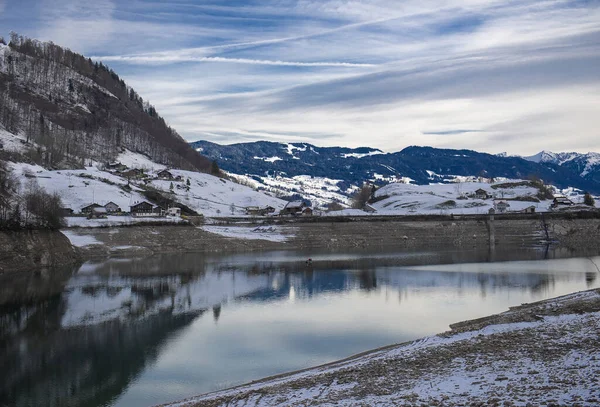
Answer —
294 204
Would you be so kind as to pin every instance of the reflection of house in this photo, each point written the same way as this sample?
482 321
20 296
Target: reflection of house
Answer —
164 174
142 209
501 206
112 207
561 201
89 208
481 194
293 208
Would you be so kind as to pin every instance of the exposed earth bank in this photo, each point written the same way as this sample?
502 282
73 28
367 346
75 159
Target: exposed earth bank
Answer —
574 235
35 249
544 353
32 250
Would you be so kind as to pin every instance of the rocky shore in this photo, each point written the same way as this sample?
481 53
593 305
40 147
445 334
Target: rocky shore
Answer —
544 353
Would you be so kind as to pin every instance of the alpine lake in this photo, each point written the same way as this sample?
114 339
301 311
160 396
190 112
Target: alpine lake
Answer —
145 331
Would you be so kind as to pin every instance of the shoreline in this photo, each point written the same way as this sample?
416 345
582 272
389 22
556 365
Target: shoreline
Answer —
552 336
29 251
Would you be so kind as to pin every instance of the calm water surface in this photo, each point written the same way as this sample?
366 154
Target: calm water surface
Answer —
138 332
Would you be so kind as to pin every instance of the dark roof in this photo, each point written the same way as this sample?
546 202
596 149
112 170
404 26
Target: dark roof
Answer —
94 205
144 203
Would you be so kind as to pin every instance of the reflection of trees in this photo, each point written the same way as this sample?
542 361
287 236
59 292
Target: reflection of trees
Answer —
590 278
216 312
87 366
367 280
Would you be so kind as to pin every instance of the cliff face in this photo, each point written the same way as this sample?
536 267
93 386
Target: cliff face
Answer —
72 109
22 251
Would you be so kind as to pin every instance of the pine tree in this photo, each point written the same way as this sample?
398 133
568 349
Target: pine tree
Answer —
588 199
214 169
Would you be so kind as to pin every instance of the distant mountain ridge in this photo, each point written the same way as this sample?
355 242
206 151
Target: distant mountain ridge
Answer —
586 165
423 165
71 109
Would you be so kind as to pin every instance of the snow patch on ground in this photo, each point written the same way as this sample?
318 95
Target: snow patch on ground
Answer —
136 160
80 240
270 233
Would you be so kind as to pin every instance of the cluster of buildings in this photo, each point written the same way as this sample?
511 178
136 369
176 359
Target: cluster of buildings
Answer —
141 209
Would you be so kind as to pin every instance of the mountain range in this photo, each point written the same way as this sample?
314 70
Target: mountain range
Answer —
263 161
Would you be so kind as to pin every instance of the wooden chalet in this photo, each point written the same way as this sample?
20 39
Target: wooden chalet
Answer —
112 207
90 208
529 209
481 194
561 201
293 208
501 206
133 173
307 212
142 209
166 175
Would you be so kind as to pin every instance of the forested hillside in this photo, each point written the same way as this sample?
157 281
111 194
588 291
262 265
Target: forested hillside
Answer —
72 109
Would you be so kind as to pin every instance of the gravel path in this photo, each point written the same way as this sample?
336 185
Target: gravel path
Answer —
546 353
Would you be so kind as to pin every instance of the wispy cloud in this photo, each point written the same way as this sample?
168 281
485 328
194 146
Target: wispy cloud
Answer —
494 75
174 58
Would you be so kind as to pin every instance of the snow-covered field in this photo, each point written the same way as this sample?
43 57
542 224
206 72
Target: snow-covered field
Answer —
320 191
213 196
206 194
409 199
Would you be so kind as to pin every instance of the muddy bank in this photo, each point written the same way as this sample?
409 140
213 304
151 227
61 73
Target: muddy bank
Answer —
544 353
32 250
35 250
578 236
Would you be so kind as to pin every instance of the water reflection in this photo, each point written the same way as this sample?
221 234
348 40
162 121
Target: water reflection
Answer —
137 332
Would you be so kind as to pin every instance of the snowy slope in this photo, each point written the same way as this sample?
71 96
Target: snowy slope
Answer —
207 195
409 199
79 188
212 196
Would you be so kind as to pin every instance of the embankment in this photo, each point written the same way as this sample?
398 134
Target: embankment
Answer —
35 249
30 250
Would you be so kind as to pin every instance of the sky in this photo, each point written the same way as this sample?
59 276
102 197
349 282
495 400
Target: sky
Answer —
489 75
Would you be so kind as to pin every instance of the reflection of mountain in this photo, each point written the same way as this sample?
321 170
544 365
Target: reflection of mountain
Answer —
312 283
84 346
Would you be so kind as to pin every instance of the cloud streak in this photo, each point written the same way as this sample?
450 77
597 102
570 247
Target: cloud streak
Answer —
165 59
494 75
